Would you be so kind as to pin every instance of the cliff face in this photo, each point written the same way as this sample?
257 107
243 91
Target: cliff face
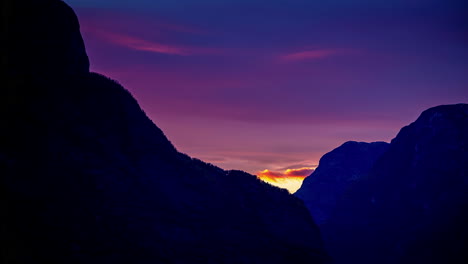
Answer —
88 178
412 207
337 171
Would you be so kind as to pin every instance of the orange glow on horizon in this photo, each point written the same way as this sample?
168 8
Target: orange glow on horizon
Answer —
290 179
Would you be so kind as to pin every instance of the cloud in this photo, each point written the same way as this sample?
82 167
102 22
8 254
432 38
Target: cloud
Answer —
153 46
267 174
302 172
299 166
288 174
311 54
160 36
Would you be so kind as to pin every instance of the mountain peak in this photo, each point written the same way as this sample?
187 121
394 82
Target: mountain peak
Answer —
43 37
337 169
448 110
436 120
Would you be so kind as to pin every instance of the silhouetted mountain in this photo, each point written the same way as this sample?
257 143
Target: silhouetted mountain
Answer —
413 205
88 178
337 170
42 37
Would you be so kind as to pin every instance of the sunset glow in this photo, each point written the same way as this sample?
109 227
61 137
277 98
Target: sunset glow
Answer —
290 179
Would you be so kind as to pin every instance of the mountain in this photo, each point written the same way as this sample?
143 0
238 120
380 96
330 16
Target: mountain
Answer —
412 207
337 170
86 177
43 38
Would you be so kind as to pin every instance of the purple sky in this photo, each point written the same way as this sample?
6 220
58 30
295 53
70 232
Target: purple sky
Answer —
259 84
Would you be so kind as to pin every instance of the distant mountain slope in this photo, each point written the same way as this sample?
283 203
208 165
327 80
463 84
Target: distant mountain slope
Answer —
413 206
86 177
337 170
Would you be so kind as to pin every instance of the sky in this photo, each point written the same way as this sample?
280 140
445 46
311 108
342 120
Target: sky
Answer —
270 86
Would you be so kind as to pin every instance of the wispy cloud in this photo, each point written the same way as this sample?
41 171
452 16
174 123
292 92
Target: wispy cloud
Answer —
135 43
299 166
302 172
312 54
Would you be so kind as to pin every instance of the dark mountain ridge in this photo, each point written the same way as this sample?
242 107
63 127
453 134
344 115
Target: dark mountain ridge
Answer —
412 206
337 170
88 178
